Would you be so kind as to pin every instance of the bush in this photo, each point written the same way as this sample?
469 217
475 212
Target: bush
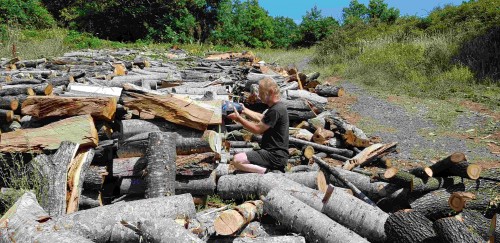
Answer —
25 14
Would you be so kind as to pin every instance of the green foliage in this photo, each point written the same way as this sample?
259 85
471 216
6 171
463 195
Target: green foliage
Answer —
315 27
376 12
355 13
285 32
25 14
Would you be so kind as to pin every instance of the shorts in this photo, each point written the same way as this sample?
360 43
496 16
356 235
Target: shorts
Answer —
265 159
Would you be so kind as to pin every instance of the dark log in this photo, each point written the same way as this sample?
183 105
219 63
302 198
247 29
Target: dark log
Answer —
409 227
479 224
422 172
22 81
434 205
20 224
445 163
6 116
301 218
463 169
95 178
455 231
295 115
89 199
398 177
161 231
481 202
334 171
15 91
318 147
433 183
161 168
54 170
30 63
50 106
104 152
329 91
9 103
78 129
233 220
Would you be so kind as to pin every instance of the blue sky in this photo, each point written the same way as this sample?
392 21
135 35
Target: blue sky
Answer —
295 9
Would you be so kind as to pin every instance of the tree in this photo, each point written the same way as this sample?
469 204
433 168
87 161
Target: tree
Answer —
378 11
355 13
285 32
315 27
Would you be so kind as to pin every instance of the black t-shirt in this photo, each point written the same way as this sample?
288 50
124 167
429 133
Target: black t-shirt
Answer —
275 139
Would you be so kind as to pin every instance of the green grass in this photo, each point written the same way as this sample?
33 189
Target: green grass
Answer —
285 58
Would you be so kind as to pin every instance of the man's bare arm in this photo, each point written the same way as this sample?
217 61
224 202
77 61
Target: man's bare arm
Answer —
252 115
255 128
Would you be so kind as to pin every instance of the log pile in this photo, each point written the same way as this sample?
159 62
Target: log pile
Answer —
126 149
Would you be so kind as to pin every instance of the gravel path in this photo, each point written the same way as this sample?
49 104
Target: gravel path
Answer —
405 128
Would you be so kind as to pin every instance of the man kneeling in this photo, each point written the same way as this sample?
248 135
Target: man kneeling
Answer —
273 125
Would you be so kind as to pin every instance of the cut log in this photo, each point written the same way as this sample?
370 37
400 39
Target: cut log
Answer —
445 163
422 172
303 134
365 220
318 147
409 227
315 99
130 128
398 177
20 223
351 134
172 109
329 91
161 231
478 201
15 91
94 224
54 170
160 170
76 177
6 116
54 106
433 183
79 129
9 103
241 186
455 231
30 63
308 179
463 169
457 200
434 205
480 224
203 224
322 135
233 220
271 239
301 218
336 174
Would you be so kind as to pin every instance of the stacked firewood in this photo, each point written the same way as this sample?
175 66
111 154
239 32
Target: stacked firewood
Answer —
128 145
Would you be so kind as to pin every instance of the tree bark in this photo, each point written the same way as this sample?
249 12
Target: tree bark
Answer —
54 170
161 168
79 129
454 231
318 147
76 177
233 220
422 172
351 134
241 186
463 169
434 205
315 226
409 227
329 91
433 183
162 231
399 177
130 128
479 224
50 106
445 163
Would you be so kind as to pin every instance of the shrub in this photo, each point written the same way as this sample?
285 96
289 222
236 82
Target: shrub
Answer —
25 14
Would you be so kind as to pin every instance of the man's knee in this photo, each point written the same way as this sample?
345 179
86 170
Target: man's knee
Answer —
240 158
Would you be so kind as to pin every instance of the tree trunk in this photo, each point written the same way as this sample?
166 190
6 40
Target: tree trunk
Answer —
130 128
9 103
54 169
20 223
329 91
271 239
79 129
76 177
50 106
233 220
308 179
463 169
172 109
479 224
481 202
162 231
315 99
161 168
433 183
399 177
455 231
15 91
366 220
305 220
241 186
409 227
434 205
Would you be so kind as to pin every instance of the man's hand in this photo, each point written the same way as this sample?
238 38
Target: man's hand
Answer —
235 116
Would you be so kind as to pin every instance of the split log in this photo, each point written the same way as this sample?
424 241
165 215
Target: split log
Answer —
409 227
329 91
161 231
172 109
95 224
160 170
54 106
479 224
351 134
445 163
20 223
365 220
76 177
368 155
455 231
338 175
79 129
233 220
9 103
86 90
318 147
303 134
303 219
54 169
